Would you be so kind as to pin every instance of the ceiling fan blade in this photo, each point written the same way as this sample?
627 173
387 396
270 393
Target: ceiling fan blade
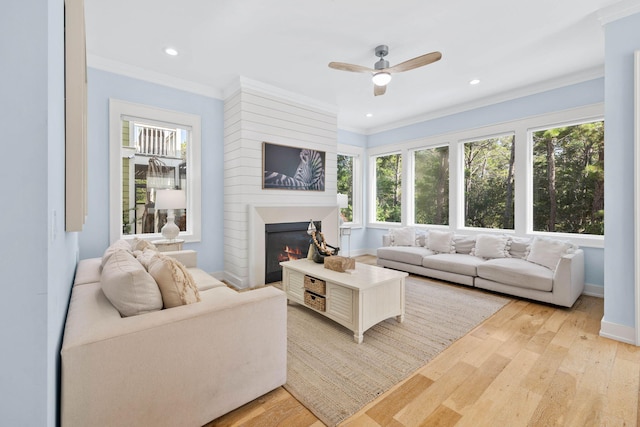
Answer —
379 90
350 67
416 62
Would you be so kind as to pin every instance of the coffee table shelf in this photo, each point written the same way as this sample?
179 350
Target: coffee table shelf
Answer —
356 299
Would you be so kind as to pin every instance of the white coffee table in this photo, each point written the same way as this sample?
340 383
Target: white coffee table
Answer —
357 300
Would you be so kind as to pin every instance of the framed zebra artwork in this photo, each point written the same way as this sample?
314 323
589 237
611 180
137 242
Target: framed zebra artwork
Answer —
291 168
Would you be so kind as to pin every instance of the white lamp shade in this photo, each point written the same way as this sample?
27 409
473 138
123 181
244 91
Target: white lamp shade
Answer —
170 199
343 201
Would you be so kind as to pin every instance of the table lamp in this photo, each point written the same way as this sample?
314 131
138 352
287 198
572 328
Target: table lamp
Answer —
170 200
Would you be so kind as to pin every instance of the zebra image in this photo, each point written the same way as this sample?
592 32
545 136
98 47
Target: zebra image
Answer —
309 174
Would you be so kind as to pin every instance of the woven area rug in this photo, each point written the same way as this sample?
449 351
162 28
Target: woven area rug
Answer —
334 377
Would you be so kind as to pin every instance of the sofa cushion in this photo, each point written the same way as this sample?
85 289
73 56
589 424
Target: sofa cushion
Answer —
464 244
204 281
407 254
441 241
404 236
453 263
116 246
88 271
174 280
547 252
517 272
128 286
491 246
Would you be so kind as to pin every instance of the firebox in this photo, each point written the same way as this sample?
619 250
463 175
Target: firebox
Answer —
285 241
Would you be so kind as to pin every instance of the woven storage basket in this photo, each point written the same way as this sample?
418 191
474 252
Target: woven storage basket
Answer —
312 300
316 286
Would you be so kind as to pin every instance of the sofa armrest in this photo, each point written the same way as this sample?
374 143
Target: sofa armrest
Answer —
181 366
187 257
386 240
568 279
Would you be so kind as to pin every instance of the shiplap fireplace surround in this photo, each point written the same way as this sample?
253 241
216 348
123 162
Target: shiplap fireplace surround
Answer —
255 113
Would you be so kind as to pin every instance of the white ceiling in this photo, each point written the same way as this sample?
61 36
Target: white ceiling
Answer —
513 47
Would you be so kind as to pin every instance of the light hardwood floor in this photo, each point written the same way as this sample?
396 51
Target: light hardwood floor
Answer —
529 364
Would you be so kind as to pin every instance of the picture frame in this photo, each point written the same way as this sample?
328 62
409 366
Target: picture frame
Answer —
292 168
75 74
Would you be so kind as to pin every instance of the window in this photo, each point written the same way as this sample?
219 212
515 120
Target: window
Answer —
489 182
159 163
431 186
388 188
345 184
350 182
568 179
151 150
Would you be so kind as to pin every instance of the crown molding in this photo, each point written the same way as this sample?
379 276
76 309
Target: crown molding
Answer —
583 76
151 76
242 82
618 11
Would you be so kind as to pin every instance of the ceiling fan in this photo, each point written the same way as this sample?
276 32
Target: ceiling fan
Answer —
382 72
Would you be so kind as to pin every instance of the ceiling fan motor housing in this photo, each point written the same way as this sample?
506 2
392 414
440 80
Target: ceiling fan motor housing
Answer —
382 51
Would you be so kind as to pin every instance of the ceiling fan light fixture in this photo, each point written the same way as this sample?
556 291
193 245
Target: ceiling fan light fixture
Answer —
171 51
381 79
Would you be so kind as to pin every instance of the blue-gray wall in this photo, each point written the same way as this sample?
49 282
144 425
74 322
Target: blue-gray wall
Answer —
622 38
38 260
104 85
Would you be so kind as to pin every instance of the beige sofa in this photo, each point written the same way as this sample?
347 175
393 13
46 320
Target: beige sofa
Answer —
182 366
512 271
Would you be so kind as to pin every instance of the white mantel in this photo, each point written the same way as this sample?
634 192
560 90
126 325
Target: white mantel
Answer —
261 215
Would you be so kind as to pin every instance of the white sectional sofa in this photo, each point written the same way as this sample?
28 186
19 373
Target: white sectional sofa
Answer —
541 269
180 366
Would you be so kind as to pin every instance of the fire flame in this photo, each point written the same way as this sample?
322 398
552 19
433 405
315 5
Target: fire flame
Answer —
289 254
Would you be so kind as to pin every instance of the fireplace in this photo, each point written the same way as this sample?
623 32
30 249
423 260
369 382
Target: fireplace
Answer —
285 241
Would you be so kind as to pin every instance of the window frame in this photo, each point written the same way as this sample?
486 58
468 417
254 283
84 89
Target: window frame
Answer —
523 197
530 157
371 209
357 154
461 220
411 177
119 110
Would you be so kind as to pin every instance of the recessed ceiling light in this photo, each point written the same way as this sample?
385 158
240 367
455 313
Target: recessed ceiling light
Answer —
170 51
474 82
369 115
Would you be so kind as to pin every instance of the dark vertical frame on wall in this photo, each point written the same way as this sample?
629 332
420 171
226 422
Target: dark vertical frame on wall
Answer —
292 168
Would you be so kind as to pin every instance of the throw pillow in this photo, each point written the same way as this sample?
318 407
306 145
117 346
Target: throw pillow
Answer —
491 246
547 252
421 237
174 280
404 236
138 244
116 246
464 244
441 242
519 247
128 286
146 257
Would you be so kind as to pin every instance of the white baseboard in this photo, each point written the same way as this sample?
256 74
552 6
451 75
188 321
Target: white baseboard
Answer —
232 279
593 290
618 332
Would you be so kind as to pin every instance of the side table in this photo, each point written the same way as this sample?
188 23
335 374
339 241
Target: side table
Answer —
168 245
